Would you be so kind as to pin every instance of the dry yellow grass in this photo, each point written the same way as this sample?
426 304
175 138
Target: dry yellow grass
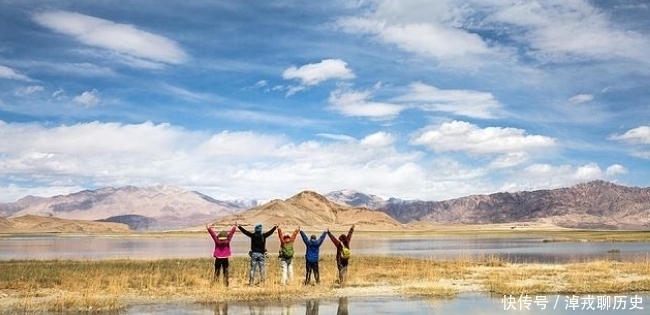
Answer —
93 286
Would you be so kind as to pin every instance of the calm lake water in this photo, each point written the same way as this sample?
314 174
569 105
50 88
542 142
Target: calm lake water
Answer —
144 247
531 249
471 303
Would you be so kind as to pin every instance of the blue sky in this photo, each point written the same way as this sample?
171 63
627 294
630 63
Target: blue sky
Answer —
412 99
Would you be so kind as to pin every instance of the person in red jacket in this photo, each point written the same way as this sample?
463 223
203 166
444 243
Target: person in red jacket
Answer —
342 253
286 254
221 251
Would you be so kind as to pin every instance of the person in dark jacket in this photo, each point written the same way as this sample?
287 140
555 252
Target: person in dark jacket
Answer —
258 250
341 262
311 256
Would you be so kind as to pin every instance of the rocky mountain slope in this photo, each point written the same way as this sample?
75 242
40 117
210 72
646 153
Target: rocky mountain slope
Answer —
166 206
596 204
310 209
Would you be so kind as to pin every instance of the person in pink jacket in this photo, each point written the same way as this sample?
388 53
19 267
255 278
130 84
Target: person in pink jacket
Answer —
221 251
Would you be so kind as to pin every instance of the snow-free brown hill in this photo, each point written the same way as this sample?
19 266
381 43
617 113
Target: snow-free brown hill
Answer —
38 224
596 204
310 209
170 206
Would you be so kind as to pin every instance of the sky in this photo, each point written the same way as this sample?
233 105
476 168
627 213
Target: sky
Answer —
412 99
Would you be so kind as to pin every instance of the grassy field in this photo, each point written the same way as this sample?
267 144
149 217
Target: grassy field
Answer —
98 286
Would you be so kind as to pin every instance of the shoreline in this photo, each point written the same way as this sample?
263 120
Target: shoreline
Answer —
61 285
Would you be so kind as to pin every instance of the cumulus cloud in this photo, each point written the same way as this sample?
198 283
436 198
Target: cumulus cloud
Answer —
466 137
378 139
581 98
315 73
615 169
357 104
137 46
466 103
249 164
636 135
88 98
11 74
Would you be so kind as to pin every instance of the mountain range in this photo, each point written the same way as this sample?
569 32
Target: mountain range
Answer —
596 204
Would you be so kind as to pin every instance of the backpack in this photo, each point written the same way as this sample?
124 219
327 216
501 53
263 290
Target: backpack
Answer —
286 250
345 252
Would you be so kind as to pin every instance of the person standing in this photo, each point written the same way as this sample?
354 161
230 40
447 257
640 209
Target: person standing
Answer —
311 256
258 250
221 251
286 254
342 253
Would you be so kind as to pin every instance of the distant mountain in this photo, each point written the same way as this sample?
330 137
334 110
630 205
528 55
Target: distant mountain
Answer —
170 207
596 204
38 224
356 199
310 209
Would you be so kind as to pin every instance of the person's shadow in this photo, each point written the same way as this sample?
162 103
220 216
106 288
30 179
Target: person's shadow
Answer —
343 306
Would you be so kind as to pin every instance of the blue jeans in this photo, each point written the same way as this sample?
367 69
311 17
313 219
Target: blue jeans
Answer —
257 262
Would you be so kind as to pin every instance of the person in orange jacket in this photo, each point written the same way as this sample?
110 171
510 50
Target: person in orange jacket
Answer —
342 253
286 254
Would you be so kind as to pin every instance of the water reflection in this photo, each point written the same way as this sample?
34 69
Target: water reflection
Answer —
466 303
312 307
221 308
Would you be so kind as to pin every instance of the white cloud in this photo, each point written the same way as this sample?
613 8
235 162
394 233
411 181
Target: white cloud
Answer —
615 169
378 139
466 137
11 74
558 29
581 98
509 160
29 90
88 98
315 73
637 135
589 172
123 39
466 103
430 39
356 104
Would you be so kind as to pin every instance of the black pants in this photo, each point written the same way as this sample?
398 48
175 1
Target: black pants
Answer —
311 267
221 264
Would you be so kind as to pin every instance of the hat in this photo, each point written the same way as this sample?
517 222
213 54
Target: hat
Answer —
258 228
286 235
223 235
313 236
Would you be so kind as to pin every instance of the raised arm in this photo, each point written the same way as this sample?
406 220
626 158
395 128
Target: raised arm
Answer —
243 230
333 238
304 237
269 232
211 231
280 234
231 233
294 234
321 238
350 233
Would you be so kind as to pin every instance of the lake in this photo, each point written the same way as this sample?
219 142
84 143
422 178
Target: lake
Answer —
466 303
521 249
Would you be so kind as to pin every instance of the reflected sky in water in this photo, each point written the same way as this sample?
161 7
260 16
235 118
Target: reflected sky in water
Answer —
470 303
137 247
